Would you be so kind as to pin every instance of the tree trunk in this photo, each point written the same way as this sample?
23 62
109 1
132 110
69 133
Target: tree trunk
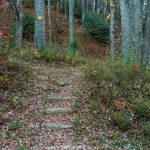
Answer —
19 30
71 23
136 28
83 10
95 5
57 11
65 9
87 6
112 30
1 43
49 21
19 25
147 32
40 39
125 29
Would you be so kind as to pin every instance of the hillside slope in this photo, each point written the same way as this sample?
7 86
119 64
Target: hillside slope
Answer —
60 34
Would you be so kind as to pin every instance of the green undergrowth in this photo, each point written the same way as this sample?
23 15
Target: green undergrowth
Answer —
14 75
50 54
119 97
94 25
17 129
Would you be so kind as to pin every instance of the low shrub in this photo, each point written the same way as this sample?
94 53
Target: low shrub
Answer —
120 87
20 102
78 9
96 26
14 125
146 129
3 61
28 26
29 3
21 148
51 55
117 81
48 54
142 110
54 53
13 75
123 120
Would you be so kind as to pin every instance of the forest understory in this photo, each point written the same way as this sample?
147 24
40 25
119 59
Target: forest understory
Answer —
40 85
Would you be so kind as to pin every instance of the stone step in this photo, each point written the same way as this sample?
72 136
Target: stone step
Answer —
56 110
62 83
72 147
56 126
60 98
52 87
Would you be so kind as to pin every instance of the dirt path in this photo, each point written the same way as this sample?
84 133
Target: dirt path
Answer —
55 86
51 95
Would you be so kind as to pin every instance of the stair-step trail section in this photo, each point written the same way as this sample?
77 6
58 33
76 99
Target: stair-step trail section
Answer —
55 111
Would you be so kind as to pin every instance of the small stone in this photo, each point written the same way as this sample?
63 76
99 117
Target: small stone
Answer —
52 87
56 110
57 126
62 83
59 98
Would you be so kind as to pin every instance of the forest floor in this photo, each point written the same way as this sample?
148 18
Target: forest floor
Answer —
53 114
47 122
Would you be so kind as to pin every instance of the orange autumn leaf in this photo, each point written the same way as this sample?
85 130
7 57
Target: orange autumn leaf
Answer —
120 104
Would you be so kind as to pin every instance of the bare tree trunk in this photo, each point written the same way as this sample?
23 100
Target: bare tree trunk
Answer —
18 38
112 30
57 11
87 6
65 9
40 38
49 21
147 32
136 28
125 29
19 25
95 5
1 43
71 24
83 10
